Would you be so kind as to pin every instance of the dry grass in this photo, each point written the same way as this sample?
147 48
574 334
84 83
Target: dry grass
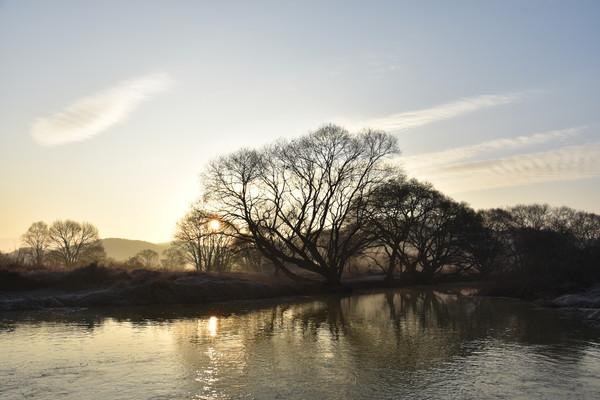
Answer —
94 285
22 278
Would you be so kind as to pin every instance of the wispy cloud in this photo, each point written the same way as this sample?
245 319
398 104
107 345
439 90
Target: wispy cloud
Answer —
92 115
568 163
412 119
439 158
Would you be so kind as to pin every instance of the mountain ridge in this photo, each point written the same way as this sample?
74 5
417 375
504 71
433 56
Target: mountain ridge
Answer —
121 249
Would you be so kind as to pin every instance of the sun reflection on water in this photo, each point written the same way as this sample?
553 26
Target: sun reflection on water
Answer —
212 326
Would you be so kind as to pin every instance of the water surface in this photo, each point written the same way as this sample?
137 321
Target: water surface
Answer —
399 344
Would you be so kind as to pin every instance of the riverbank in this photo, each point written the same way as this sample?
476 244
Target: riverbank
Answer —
586 304
96 286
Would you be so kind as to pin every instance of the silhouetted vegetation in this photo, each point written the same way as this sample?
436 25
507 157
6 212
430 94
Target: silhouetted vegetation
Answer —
173 259
301 202
65 243
542 251
321 201
37 238
143 259
313 206
23 288
205 240
15 280
19 278
419 230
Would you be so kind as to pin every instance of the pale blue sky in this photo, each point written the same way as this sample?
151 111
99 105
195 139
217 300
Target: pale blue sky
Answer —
110 109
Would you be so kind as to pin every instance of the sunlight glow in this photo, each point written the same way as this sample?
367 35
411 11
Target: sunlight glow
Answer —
214 224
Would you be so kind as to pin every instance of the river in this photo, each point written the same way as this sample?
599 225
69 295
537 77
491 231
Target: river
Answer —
387 344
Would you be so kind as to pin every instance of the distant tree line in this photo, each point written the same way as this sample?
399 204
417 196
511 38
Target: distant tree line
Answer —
546 248
172 259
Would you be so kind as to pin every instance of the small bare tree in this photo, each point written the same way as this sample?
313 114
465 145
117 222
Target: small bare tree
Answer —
37 241
148 258
173 258
74 243
205 240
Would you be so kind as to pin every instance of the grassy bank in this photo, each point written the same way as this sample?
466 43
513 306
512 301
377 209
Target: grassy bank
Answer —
31 288
96 286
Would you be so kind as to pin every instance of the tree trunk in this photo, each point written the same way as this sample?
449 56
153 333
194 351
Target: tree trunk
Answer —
389 273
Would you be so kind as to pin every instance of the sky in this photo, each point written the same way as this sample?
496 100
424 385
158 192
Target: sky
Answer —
111 109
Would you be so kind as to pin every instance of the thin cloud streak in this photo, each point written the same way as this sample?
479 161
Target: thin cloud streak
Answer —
568 163
439 158
97 113
412 119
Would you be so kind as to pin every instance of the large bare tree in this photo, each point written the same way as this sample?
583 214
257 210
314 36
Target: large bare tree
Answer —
301 202
420 230
74 243
391 209
38 241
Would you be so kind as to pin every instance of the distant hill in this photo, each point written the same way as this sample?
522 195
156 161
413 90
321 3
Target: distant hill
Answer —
122 249
119 249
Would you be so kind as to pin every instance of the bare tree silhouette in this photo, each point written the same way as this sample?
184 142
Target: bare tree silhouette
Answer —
419 229
206 240
74 243
302 201
37 239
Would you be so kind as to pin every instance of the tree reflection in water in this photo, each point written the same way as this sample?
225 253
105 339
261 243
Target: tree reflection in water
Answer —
409 343
360 345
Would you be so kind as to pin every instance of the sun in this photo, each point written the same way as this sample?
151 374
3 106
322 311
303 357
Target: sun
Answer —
214 224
